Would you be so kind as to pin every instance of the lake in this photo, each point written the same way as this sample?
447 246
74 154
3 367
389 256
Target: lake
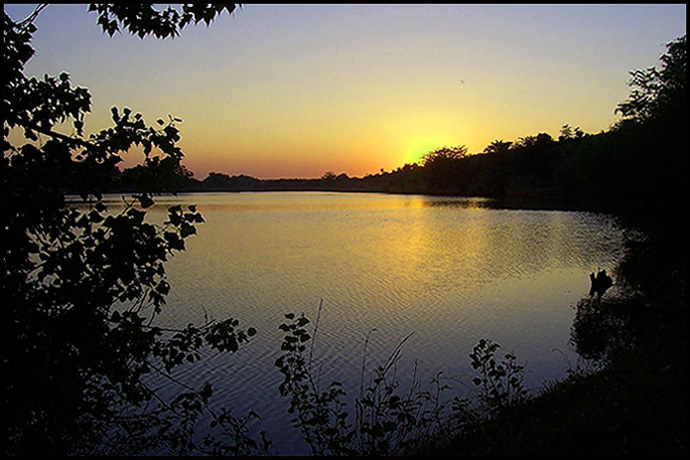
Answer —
449 270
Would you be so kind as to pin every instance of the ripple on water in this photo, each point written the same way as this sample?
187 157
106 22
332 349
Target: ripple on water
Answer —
450 274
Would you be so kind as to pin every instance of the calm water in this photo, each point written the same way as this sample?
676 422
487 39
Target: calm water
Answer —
450 270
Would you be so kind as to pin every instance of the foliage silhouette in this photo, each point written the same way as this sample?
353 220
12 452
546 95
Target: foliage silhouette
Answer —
444 169
388 420
498 146
82 286
658 93
623 170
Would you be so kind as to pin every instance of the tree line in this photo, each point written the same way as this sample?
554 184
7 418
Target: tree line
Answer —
635 168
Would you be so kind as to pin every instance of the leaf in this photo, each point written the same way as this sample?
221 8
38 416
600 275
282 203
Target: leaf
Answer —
302 321
187 230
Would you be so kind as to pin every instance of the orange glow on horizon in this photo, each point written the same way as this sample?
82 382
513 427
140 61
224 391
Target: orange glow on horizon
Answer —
293 91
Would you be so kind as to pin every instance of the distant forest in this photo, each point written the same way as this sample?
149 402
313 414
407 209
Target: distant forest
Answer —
635 168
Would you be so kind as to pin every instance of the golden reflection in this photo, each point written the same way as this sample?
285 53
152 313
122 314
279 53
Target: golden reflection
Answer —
460 202
377 254
449 269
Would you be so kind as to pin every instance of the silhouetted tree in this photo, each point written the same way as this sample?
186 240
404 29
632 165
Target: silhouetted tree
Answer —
443 169
540 141
328 176
81 286
653 142
569 133
498 146
658 93
444 154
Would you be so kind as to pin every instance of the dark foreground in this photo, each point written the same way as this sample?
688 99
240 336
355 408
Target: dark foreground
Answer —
635 405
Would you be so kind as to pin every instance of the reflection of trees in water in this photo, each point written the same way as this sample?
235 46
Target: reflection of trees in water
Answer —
606 321
460 202
649 302
600 326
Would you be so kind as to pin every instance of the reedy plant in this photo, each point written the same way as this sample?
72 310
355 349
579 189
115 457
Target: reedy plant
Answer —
386 421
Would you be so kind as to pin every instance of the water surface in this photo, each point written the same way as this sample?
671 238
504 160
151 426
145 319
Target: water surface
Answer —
448 270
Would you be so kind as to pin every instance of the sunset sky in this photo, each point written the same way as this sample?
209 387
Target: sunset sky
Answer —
296 90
